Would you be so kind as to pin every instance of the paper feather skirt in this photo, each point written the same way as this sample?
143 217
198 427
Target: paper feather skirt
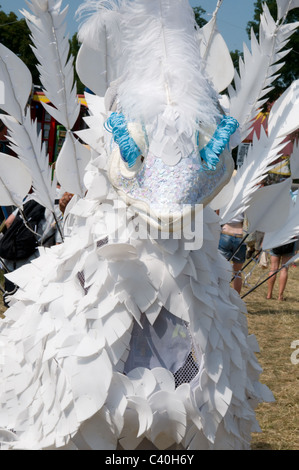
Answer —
114 345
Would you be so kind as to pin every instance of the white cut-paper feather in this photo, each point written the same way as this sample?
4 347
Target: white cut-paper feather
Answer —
94 135
266 203
284 6
15 181
17 82
27 144
283 119
285 111
214 51
288 232
70 165
258 70
47 27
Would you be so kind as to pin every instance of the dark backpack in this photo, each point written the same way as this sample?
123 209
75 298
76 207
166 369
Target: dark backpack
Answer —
19 242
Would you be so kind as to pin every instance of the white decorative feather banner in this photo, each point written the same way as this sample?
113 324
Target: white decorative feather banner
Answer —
283 120
258 70
47 25
284 6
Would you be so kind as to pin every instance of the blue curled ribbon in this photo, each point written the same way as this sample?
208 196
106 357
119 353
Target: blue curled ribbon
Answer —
117 125
218 142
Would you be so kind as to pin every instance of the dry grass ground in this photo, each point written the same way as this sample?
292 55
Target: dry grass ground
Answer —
276 326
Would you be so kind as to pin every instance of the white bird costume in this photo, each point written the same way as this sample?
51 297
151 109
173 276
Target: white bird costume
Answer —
128 334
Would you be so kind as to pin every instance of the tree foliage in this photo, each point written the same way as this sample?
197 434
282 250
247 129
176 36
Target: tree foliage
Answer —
198 13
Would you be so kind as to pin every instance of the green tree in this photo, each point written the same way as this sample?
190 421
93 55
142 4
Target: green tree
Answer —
74 49
290 71
15 35
198 12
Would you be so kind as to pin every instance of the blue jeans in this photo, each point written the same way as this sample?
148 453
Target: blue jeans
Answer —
228 244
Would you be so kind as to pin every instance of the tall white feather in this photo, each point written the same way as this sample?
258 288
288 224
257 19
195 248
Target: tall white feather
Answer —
258 70
283 120
98 59
47 25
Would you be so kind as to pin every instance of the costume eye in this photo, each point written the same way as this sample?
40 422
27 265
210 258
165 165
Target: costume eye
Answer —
211 151
129 138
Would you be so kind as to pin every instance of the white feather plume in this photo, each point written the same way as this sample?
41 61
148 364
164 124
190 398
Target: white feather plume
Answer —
98 61
258 70
164 31
283 120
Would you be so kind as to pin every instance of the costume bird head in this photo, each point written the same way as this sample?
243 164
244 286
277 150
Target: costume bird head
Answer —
167 136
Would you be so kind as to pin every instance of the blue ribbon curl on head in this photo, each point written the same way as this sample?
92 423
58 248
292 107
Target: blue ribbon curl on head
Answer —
117 125
218 142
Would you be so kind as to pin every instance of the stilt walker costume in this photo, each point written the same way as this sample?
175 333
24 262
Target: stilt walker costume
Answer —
128 334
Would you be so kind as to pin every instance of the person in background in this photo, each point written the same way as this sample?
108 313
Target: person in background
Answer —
232 248
279 256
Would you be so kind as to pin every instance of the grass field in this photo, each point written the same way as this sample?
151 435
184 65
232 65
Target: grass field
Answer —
276 326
